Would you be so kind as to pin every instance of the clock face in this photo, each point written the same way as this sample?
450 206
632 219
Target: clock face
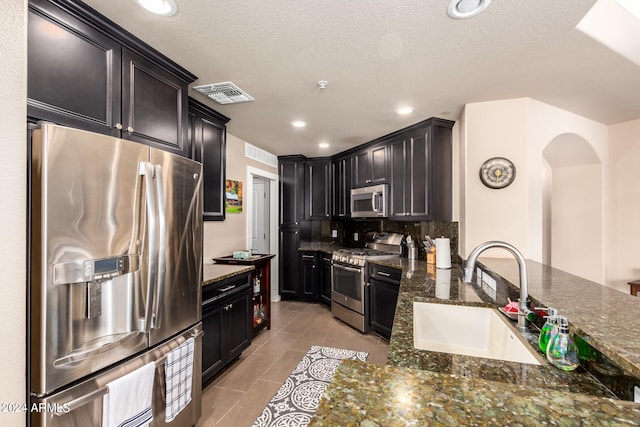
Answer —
497 172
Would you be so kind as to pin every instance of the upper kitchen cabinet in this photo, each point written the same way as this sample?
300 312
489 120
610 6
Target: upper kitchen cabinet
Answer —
369 166
420 171
291 174
341 177
207 136
87 72
318 188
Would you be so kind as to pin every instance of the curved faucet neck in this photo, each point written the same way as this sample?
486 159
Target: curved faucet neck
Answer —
522 265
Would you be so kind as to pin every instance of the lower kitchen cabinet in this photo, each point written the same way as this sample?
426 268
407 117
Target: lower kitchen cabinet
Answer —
385 286
325 278
226 321
309 289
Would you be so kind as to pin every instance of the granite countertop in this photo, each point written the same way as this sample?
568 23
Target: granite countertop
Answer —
418 387
371 395
212 273
326 247
607 318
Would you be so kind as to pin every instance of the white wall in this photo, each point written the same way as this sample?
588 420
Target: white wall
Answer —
576 221
623 227
494 129
519 129
13 184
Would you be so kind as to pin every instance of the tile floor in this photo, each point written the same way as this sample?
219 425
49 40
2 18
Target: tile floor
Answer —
240 393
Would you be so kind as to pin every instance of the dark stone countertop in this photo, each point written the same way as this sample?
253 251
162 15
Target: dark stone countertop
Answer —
417 386
212 273
372 395
325 247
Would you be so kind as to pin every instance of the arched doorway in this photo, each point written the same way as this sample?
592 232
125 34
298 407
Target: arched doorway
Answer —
573 207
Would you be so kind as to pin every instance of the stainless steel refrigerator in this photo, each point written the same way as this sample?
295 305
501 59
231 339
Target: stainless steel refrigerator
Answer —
115 271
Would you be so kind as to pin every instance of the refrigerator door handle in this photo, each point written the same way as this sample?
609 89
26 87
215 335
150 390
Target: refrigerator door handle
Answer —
146 169
72 405
161 265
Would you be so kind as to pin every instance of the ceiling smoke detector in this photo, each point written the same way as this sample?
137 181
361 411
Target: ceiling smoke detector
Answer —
224 93
463 9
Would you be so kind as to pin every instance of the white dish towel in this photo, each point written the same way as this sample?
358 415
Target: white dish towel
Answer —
179 377
128 402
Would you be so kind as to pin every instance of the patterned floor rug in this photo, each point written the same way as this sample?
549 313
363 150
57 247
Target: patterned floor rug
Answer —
299 396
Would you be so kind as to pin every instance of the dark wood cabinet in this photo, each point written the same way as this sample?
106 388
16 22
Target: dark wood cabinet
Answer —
385 286
87 72
154 105
341 178
325 278
289 267
318 188
260 288
420 174
208 141
291 175
309 289
226 321
370 166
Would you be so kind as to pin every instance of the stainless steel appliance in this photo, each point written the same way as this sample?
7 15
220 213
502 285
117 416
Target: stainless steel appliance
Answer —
116 260
349 290
370 202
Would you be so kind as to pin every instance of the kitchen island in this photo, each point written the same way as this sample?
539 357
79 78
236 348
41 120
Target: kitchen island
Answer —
418 387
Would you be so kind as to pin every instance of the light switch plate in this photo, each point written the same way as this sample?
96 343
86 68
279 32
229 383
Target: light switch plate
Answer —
355 237
636 394
334 233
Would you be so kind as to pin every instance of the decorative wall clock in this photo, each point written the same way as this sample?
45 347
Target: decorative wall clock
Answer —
497 172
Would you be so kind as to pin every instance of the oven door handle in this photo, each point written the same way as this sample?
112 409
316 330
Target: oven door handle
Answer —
344 267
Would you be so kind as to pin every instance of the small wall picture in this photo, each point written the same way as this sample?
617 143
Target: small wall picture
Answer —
233 196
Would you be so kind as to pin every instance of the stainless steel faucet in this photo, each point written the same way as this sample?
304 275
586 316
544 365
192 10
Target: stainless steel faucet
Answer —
525 314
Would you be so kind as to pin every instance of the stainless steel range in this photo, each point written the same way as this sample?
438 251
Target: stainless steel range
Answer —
349 290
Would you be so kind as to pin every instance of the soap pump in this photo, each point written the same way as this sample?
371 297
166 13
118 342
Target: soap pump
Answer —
562 351
550 327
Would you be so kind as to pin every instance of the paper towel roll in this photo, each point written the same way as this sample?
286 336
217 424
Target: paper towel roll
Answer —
443 283
443 253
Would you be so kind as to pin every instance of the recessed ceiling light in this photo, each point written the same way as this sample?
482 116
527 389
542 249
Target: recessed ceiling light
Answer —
462 9
323 145
159 7
403 111
298 124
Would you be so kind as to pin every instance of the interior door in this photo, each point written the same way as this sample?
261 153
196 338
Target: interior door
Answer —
260 216
177 299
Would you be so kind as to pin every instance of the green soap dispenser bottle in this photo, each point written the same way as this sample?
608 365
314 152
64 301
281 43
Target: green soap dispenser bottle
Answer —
550 327
562 350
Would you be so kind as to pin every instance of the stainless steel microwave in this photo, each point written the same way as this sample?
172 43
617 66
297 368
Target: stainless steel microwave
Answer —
370 202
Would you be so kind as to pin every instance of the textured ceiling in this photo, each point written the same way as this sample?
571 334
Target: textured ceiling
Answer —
378 55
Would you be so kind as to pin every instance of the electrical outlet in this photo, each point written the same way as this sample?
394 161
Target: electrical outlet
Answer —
355 237
636 394
334 233
478 276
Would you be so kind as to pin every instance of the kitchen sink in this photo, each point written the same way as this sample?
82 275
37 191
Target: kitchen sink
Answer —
469 331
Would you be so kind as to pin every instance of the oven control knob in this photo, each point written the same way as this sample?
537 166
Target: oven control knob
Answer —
361 263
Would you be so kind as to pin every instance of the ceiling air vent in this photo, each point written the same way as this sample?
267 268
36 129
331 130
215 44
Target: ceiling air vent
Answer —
224 93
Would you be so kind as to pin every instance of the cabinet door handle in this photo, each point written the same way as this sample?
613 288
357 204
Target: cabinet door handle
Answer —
129 129
227 288
382 273
308 256
119 126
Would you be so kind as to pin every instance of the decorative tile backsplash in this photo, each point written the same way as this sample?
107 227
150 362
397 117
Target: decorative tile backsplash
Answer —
347 229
